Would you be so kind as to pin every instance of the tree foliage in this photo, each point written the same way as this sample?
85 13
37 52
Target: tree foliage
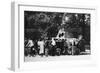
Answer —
47 24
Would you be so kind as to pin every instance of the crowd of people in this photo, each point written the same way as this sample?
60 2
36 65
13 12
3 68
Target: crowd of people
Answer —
54 46
55 34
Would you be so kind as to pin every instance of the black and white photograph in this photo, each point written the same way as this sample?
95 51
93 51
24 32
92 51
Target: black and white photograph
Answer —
56 34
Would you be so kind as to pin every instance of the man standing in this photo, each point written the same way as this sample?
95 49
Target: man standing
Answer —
81 43
41 47
53 43
30 44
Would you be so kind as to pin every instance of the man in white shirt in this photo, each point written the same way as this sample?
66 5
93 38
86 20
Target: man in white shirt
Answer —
41 47
30 44
53 43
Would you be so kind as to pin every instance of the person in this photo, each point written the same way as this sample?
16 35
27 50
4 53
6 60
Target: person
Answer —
65 48
41 47
76 50
53 49
81 43
25 47
53 42
47 48
62 47
36 47
58 51
29 45
33 51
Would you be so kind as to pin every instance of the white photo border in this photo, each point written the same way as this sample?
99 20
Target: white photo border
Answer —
18 36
